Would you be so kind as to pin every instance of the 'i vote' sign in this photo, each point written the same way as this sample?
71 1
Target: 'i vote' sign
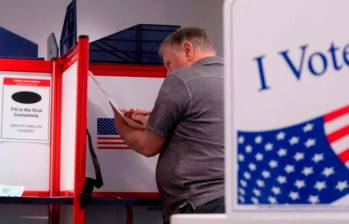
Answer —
290 103
25 109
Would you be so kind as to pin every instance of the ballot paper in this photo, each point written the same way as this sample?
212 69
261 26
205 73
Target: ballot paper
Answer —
11 191
114 105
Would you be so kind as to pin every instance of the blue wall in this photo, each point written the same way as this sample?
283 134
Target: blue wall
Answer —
15 46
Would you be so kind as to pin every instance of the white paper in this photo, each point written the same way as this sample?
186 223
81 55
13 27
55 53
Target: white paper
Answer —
129 121
25 121
11 191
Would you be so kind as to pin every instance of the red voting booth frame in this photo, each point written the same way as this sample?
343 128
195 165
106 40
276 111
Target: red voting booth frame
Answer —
56 68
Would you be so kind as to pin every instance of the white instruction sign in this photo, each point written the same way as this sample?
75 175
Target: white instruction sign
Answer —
25 109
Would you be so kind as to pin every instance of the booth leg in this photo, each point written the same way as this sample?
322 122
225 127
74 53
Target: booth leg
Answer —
53 215
129 215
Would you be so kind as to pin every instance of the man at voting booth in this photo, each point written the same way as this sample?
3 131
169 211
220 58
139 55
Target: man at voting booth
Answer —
185 126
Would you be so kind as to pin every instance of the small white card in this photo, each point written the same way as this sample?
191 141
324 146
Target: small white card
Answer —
11 191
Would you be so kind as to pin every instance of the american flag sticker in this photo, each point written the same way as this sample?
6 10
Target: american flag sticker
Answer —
108 137
305 163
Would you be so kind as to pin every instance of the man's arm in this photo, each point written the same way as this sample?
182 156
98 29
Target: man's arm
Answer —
142 141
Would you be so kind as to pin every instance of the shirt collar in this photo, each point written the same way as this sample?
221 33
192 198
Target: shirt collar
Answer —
209 60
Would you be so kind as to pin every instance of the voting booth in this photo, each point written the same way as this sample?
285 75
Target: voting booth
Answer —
43 128
44 119
48 106
286 99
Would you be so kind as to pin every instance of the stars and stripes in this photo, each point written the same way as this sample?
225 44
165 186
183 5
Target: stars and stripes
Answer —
306 163
107 136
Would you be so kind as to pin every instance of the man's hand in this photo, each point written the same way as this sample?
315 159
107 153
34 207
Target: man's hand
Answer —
141 116
140 140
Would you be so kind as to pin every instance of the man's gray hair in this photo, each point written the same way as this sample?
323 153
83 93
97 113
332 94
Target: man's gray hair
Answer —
196 36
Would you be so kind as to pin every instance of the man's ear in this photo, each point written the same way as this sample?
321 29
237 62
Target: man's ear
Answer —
188 50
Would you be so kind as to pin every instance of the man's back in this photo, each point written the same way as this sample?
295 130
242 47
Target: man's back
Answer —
189 112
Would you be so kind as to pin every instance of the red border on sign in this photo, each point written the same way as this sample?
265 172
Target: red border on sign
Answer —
27 82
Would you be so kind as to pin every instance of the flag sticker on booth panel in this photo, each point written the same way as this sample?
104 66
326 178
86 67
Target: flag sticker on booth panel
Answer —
108 137
306 163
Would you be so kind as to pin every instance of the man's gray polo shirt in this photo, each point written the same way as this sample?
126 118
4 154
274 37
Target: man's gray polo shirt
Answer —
188 112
